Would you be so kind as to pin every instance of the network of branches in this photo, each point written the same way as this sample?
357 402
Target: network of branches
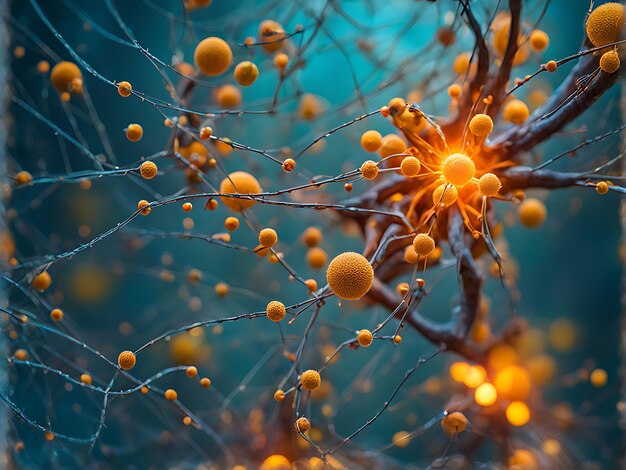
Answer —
223 235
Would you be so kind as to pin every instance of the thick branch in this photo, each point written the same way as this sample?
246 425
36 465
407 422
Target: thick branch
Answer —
519 139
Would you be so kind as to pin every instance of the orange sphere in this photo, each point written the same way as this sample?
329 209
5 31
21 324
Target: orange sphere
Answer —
239 182
126 360
63 74
350 276
213 56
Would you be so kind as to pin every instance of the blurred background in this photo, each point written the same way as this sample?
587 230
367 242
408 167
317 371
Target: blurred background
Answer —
132 286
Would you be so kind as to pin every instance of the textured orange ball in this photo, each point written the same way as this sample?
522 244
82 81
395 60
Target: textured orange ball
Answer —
423 244
148 170
310 379
213 56
369 170
605 24
275 311
268 237
489 185
609 62
410 167
350 276
126 360
239 182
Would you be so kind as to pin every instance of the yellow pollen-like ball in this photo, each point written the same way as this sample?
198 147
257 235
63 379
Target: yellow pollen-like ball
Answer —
227 96
310 379
275 311
515 111
213 56
609 62
481 125
148 170
410 167
350 276
513 382
532 213
239 182
458 169
423 244
279 395
369 170
489 185
454 423
605 24
365 338
268 237
171 394
126 360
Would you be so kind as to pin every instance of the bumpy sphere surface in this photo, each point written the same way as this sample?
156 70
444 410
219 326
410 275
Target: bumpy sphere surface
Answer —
62 75
126 360
481 125
410 167
310 379
609 62
268 237
350 276
369 170
489 185
242 183
458 169
213 56
423 244
275 311
605 23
